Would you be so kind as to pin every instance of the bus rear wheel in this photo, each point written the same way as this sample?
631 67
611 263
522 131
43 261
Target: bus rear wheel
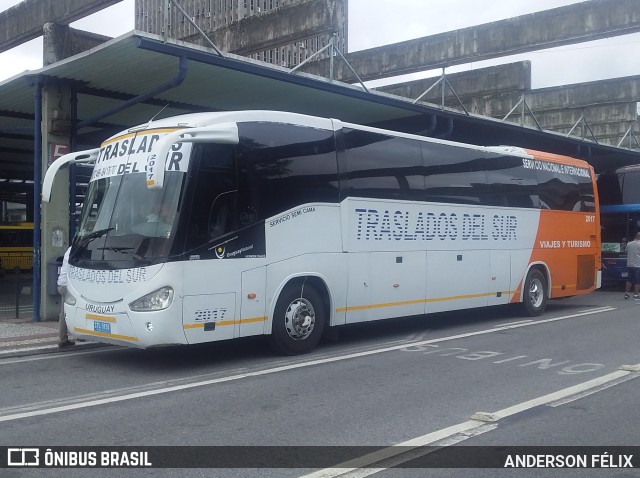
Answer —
534 297
298 320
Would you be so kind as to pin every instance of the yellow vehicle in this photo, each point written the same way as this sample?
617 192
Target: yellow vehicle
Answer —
16 246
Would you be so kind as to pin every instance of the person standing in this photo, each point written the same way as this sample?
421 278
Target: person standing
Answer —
633 268
62 290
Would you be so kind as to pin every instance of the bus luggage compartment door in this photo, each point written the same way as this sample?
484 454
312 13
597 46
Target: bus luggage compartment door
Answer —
457 279
209 317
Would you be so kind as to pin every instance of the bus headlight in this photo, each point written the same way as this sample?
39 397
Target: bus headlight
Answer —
157 300
69 299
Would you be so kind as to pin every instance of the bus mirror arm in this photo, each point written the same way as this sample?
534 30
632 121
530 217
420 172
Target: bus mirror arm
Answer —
226 133
87 156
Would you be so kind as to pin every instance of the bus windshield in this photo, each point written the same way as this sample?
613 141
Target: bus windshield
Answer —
124 224
618 228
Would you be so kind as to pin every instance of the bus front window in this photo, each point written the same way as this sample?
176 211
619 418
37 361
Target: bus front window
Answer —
125 225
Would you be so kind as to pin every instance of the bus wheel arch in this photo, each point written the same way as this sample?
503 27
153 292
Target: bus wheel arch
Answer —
535 290
300 315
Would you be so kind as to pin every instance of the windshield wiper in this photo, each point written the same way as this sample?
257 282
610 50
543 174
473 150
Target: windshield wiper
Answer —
126 250
93 235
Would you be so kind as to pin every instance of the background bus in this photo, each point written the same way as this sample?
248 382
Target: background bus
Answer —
16 246
619 193
283 224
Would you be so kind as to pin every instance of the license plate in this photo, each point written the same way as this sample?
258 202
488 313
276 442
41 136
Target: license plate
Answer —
624 274
102 327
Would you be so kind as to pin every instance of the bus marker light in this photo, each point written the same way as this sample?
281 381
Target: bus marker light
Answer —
251 296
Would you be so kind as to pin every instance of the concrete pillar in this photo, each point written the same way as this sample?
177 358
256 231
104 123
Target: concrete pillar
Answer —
56 132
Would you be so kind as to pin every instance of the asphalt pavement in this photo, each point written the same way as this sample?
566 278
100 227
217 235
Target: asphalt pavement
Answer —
23 336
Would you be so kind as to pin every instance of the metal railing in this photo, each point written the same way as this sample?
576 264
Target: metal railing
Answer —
16 295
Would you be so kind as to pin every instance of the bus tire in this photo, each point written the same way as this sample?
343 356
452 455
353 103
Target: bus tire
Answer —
534 293
298 320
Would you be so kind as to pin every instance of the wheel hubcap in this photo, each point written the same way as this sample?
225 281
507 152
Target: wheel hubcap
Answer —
536 293
300 319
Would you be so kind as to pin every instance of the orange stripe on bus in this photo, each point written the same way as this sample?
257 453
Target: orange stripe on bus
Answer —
420 301
227 322
104 334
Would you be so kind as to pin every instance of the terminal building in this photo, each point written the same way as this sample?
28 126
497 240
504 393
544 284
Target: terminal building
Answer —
217 18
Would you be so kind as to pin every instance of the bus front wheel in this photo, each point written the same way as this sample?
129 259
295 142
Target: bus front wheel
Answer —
298 320
534 299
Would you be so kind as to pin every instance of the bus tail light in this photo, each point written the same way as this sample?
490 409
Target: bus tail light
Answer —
157 300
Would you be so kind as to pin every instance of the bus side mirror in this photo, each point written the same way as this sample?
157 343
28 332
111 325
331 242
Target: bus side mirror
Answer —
87 156
224 133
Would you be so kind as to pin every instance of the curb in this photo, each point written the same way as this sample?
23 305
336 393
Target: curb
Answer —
50 348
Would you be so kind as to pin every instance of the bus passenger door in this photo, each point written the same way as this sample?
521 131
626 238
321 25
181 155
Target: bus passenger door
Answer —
253 302
500 277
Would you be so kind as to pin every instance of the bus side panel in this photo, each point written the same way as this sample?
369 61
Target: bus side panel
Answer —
499 277
567 243
208 317
305 229
398 282
253 302
385 284
330 268
358 287
211 309
457 279
306 241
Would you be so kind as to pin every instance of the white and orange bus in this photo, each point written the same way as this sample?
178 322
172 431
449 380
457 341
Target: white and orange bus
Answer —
280 224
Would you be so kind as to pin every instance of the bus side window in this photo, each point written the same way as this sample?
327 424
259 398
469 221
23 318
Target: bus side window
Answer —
587 198
381 166
221 217
281 166
559 192
510 184
213 179
454 175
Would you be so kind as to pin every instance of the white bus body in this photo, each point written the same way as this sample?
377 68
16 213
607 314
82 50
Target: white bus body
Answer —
282 224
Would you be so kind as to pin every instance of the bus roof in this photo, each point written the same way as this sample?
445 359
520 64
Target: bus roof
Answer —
204 119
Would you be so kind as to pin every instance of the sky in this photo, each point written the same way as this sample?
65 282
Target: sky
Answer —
404 20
